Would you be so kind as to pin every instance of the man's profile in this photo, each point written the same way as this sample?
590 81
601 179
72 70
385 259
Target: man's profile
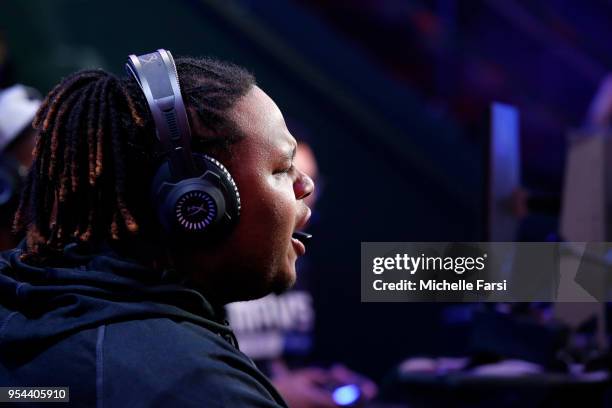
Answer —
102 297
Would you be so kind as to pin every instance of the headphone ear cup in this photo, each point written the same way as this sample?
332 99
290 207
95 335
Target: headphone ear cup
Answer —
208 205
205 163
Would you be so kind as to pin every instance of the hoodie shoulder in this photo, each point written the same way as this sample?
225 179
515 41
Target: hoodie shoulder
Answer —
160 362
123 336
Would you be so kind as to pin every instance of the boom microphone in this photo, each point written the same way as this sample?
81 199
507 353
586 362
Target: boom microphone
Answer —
303 237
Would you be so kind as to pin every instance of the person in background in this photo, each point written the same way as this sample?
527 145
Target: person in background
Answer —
18 105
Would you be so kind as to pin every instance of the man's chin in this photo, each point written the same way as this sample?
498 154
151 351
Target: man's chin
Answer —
283 282
251 284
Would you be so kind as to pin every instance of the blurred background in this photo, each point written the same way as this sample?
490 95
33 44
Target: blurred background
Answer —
394 98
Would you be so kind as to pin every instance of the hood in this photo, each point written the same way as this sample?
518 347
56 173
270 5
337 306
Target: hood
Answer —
39 304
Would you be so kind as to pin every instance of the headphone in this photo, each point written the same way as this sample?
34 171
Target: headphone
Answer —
193 193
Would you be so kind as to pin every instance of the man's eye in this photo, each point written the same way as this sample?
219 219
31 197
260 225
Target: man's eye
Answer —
286 170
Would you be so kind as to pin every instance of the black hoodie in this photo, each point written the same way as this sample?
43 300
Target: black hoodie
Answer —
119 334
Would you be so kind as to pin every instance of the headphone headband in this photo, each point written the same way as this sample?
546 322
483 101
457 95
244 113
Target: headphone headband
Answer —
157 77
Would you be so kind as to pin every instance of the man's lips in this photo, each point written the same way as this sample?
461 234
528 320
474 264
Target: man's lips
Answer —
304 220
298 246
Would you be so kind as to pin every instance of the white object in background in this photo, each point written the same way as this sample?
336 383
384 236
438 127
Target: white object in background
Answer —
17 109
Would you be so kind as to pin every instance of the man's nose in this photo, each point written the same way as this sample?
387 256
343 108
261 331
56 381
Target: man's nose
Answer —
303 187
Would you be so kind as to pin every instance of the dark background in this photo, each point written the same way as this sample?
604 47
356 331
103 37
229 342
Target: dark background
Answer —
392 95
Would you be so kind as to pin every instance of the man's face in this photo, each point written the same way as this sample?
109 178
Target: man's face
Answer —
259 255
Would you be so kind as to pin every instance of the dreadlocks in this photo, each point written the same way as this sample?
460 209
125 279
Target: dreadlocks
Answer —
96 145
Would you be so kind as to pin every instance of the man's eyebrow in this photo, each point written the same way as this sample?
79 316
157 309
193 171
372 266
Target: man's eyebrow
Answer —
291 155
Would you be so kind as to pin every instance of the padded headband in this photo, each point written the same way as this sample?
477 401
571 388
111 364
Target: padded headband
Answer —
156 74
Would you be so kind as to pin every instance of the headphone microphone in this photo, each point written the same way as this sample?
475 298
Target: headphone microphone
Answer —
303 237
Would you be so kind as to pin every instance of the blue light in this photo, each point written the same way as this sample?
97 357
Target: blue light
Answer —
346 395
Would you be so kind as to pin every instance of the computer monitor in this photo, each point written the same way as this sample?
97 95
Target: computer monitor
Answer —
503 172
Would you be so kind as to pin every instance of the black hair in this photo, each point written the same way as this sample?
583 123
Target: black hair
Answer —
96 150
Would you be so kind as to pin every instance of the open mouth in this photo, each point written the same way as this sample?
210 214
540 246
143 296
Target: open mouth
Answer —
300 239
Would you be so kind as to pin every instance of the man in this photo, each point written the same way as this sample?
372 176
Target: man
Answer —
102 298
